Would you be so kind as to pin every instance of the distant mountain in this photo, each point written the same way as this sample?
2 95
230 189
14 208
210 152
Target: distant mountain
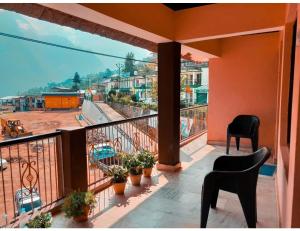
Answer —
86 81
23 62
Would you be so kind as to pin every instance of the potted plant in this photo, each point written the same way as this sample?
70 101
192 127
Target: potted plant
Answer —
78 205
134 166
43 220
119 176
148 161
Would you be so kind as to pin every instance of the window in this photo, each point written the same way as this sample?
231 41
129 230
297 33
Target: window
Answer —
199 79
291 82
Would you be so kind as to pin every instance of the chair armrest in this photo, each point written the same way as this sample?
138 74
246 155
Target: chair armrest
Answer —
232 163
212 177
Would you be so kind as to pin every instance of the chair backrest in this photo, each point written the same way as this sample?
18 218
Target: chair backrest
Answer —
245 124
258 158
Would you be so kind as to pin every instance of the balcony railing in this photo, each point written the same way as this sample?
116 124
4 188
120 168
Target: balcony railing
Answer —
35 163
104 141
193 122
32 177
192 84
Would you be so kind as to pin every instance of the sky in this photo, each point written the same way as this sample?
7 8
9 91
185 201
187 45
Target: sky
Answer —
25 65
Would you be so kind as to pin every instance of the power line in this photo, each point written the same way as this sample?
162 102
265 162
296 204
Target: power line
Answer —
67 47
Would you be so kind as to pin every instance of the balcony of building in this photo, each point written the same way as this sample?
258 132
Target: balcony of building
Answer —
253 69
173 200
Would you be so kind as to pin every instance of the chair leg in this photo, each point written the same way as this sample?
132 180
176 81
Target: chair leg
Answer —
228 143
214 199
205 204
237 141
248 202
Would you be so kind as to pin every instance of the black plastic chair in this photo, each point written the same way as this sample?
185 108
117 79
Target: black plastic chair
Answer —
243 126
235 174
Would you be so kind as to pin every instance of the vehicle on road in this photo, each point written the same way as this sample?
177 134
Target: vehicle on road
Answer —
13 128
101 151
26 200
3 164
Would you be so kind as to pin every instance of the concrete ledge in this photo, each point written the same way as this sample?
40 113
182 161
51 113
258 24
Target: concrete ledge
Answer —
168 168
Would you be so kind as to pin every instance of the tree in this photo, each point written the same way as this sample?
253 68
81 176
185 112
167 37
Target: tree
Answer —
146 70
187 56
134 98
108 73
154 91
76 81
129 65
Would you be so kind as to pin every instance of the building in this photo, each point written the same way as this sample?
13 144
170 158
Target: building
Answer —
253 52
23 103
33 103
194 86
138 85
15 103
61 100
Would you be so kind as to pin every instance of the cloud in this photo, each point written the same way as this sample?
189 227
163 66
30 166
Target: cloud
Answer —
70 33
22 25
35 24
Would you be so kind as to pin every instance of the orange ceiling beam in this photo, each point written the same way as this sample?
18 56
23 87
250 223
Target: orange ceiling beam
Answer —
226 20
151 17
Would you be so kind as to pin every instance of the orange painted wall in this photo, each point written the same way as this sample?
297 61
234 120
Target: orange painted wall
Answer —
222 19
212 46
244 81
294 170
293 188
285 158
61 102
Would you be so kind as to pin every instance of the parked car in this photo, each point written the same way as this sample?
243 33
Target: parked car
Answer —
3 164
26 201
102 151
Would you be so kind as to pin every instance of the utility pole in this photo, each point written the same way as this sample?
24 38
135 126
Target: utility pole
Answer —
119 66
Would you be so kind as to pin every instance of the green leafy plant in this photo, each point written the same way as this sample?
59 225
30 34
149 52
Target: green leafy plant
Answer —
131 162
125 99
146 158
118 173
76 201
153 107
134 98
43 220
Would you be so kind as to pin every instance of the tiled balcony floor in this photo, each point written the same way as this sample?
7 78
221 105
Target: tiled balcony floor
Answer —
173 199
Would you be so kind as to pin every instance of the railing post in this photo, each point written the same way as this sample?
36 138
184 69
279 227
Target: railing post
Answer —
73 147
60 167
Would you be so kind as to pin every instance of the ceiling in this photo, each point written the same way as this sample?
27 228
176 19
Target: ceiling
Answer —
183 6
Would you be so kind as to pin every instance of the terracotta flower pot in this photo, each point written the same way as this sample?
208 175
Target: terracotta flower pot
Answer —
85 216
119 188
135 179
147 172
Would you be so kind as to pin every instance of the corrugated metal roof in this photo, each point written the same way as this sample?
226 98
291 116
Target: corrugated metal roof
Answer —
60 94
11 97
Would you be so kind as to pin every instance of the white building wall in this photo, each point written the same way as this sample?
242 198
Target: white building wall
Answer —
205 76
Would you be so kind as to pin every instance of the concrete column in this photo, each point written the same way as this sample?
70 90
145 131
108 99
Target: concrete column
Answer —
74 156
169 105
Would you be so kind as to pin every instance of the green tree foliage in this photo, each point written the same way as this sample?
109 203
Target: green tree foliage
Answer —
134 98
108 73
76 81
145 70
154 91
129 64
